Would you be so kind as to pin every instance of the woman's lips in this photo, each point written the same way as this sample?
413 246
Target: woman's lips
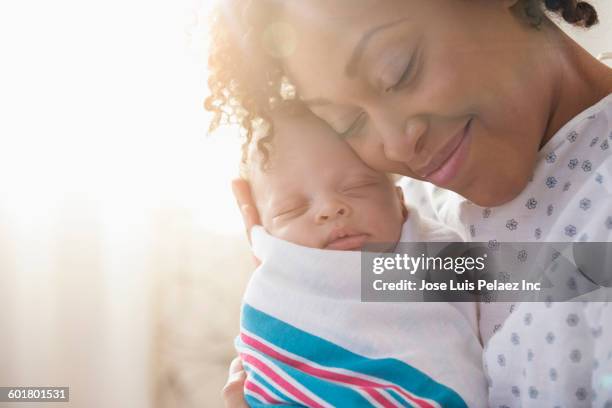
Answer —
347 243
451 165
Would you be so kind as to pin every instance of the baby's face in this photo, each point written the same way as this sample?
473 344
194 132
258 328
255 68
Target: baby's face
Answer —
316 192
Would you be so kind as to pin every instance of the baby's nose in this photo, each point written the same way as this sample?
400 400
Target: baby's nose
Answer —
332 211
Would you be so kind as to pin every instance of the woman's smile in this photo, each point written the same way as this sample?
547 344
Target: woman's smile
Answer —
451 158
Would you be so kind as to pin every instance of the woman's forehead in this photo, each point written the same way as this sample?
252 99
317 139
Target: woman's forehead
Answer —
333 35
333 41
339 17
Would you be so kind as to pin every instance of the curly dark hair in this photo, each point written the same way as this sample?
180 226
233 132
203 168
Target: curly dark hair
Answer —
247 83
575 12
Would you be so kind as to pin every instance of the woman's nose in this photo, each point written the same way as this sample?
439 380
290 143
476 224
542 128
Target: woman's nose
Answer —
404 142
332 209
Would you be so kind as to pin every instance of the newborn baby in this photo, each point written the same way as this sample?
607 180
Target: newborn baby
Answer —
306 337
315 191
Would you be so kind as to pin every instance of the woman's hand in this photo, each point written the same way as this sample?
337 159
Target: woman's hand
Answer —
244 198
233 392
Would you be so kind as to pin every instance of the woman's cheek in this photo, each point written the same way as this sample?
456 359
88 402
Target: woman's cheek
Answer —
437 76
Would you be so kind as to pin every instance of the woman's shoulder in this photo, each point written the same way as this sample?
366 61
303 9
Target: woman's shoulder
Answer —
595 121
589 139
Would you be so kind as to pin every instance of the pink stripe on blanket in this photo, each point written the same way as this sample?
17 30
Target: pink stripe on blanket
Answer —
280 381
368 386
256 389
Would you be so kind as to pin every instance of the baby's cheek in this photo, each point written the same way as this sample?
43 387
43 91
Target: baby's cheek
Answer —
298 232
395 220
388 228
394 230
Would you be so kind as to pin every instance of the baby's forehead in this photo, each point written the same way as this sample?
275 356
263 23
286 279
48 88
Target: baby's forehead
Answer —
305 141
304 170
303 147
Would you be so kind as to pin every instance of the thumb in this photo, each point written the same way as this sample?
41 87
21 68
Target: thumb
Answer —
233 391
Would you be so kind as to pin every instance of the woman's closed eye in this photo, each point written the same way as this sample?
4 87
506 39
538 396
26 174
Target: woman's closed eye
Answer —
360 186
357 124
407 74
406 77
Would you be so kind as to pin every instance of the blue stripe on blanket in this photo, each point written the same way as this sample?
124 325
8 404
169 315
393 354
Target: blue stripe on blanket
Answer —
264 382
307 346
254 403
334 394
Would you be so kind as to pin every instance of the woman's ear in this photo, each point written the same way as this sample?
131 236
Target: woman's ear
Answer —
400 196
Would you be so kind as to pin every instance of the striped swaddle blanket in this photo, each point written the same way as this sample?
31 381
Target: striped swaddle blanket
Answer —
306 339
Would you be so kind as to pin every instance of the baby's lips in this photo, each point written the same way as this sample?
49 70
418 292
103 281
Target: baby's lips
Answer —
348 243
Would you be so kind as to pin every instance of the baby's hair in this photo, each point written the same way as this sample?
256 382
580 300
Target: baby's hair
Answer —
247 81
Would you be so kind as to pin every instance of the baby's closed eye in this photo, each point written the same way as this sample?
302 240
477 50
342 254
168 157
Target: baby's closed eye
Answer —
290 210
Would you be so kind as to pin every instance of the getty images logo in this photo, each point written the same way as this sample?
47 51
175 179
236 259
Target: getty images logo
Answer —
414 264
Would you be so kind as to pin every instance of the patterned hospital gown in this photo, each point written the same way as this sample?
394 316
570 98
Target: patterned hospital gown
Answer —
546 354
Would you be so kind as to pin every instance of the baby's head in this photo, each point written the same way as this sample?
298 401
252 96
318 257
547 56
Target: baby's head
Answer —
313 190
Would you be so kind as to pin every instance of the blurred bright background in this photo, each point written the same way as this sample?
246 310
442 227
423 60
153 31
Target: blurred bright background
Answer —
122 255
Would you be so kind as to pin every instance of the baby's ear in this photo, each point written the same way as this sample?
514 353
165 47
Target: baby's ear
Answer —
400 196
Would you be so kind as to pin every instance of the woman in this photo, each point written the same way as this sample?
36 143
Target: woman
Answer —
474 96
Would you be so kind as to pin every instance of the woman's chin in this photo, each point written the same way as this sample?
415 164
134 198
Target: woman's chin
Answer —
494 194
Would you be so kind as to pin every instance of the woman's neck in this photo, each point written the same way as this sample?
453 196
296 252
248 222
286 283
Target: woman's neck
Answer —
579 81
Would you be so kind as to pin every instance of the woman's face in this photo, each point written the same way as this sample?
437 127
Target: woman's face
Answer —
448 91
